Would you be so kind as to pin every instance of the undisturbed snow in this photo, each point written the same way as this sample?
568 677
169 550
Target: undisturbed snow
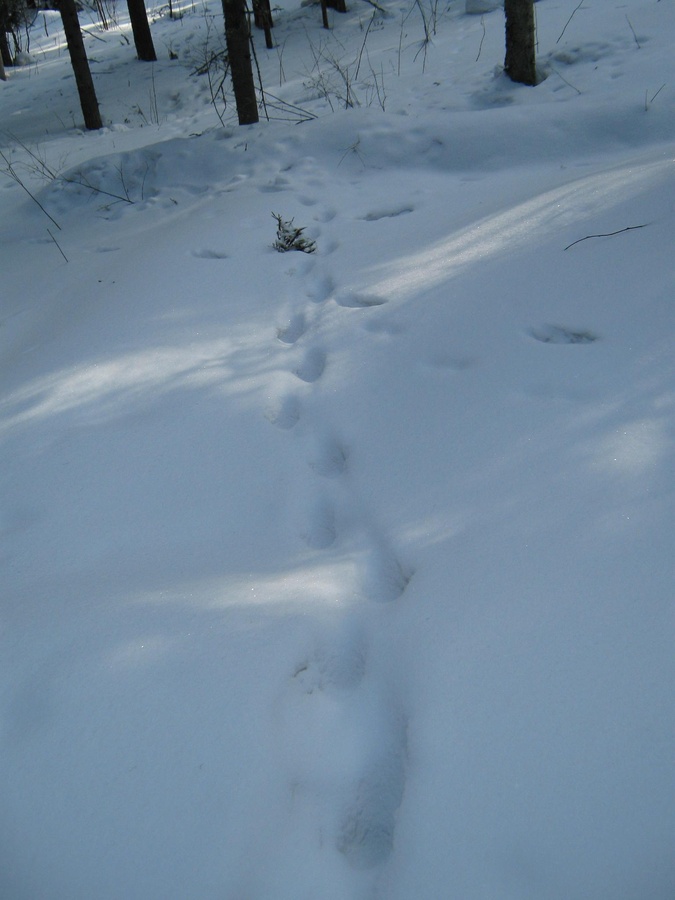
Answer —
341 575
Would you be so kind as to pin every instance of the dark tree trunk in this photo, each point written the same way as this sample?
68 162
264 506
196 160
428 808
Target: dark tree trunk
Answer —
3 76
238 40
337 5
138 17
262 18
520 45
80 64
4 46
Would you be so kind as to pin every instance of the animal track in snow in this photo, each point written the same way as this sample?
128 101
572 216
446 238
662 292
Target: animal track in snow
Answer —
557 334
312 366
382 326
303 263
321 532
321 288
386 577
570 392
286 414
273 187
209 254
358 299
290 333
335 665
330 459
376 215
451 363
326 215
366 832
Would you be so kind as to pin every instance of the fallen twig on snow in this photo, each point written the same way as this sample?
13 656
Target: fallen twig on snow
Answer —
607 234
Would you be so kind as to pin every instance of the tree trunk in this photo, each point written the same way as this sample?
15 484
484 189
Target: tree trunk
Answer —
4 46
520 53
262 18
138 16
3 76
80 64
238 40
338 5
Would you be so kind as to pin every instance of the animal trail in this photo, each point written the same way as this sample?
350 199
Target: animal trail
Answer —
450 363
329 459
289 334
302 264
207 253
385 577
286 414
335 665
280 183
321 288
358 300
557 334
312 366
366 832
322 531
326 215
392 213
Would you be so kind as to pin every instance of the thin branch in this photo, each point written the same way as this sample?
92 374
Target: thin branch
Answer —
97 190
91 34
568 22
263 101
607 234
480 47
9 171
365 38
301 115
378 7
57 244
568 83
634 35
40 164
657 93
649 102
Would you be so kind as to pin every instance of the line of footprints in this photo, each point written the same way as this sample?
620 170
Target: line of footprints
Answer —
343 724
335 707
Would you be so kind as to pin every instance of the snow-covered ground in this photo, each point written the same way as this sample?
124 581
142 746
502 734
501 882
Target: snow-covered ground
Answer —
343 575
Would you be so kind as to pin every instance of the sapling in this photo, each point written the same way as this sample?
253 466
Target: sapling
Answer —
291 238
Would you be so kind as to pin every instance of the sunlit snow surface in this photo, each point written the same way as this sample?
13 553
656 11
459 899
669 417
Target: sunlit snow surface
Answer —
344 575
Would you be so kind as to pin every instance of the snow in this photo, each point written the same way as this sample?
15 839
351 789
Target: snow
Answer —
340 575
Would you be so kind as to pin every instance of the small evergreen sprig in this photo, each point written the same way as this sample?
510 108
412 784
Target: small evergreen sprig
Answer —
291 238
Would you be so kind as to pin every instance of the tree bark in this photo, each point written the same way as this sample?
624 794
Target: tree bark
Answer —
238 40
262 18
138 16
80 64
338 5
3 76
4 45
520 63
